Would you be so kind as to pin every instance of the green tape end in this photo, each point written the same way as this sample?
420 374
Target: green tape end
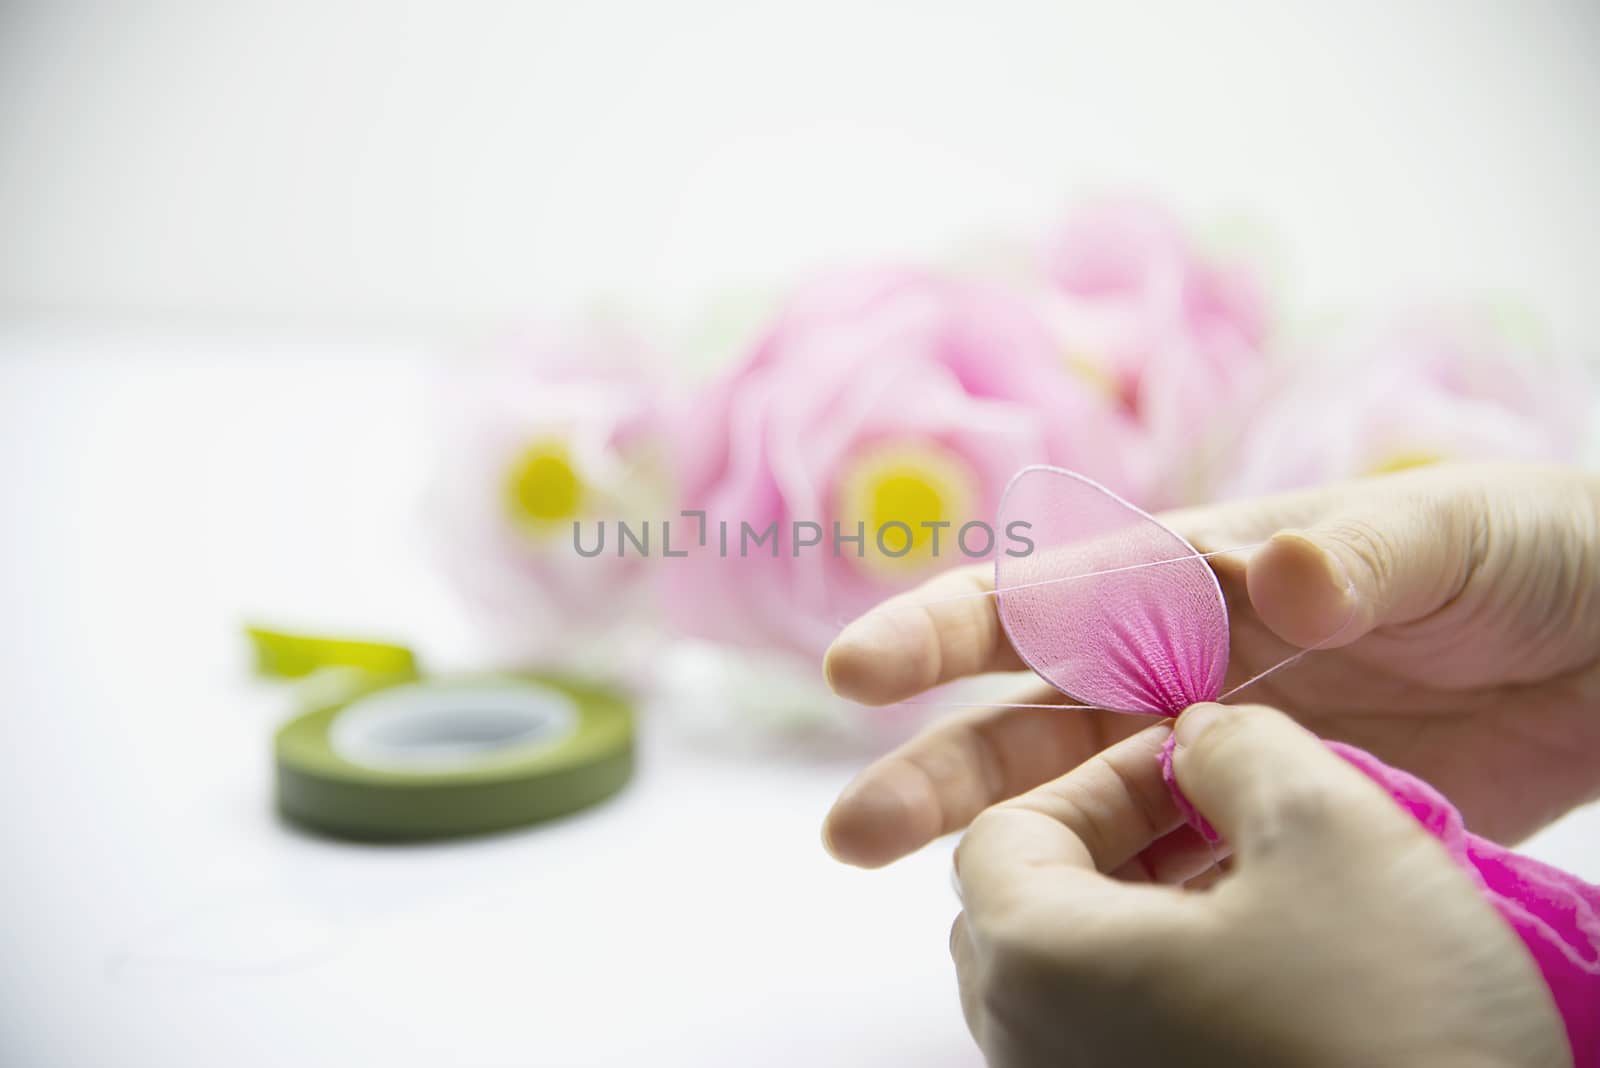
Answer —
281 655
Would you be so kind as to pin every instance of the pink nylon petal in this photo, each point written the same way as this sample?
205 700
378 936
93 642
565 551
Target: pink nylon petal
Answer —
1085 612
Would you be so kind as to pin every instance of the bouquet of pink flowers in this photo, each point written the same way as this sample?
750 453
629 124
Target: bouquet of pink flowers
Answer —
863 438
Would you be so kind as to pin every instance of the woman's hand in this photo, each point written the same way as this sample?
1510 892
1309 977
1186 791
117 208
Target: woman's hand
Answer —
1342 934
1470 598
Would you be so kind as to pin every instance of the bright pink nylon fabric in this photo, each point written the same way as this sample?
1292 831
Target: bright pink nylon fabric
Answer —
1106 631
1556 914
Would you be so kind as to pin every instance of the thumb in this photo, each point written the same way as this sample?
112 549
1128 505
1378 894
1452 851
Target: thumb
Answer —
1386 558
1270 786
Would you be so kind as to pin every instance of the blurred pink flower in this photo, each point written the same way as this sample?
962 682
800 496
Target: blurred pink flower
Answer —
1176 338
874 396
553 429
1447 385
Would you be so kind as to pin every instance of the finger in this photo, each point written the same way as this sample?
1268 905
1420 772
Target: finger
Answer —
949 628
1174 858
937 782
944 629
1211 876
1271 787
965 957
1093 820
1342 559
1389 552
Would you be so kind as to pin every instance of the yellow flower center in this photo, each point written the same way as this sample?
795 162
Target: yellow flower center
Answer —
542 487
913 483
1403 460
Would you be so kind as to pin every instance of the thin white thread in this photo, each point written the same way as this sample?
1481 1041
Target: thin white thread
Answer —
1251 681
998 704
1216 860
1089 574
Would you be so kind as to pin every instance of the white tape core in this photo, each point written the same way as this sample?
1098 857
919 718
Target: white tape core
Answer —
421 727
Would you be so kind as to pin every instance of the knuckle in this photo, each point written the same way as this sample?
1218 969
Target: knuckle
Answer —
1026 949
1018 964
1433 533
1148 796
1080 970
984 824
1456 525
1011 934
1371 543
1311 823
1295 812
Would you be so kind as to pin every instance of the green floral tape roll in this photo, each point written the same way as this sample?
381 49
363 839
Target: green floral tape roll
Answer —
401 758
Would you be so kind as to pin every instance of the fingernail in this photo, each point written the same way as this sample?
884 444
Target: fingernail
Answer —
827 838
867 824
1195 721
845 659
828 664
1339 580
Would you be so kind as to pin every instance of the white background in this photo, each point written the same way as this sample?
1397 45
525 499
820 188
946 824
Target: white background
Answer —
439 166
232 236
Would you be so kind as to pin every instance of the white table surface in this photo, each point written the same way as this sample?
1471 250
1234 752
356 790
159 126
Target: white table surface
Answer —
157 492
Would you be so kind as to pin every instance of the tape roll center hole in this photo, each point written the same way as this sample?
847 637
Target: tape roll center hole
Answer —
420 726
476 727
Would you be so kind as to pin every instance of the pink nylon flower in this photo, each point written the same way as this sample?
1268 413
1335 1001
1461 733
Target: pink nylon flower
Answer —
1438 386
1176 337
874 395
556 428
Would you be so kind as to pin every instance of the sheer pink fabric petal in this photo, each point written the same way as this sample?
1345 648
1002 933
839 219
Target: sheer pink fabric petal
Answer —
1088 616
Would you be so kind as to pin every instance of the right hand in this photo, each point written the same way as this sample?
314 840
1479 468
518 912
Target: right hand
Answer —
1342 935
1472 658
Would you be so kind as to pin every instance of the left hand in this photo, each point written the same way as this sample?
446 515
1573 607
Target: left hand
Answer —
1471 659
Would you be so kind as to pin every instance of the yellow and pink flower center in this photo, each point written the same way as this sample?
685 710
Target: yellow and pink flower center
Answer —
543 487
915 483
